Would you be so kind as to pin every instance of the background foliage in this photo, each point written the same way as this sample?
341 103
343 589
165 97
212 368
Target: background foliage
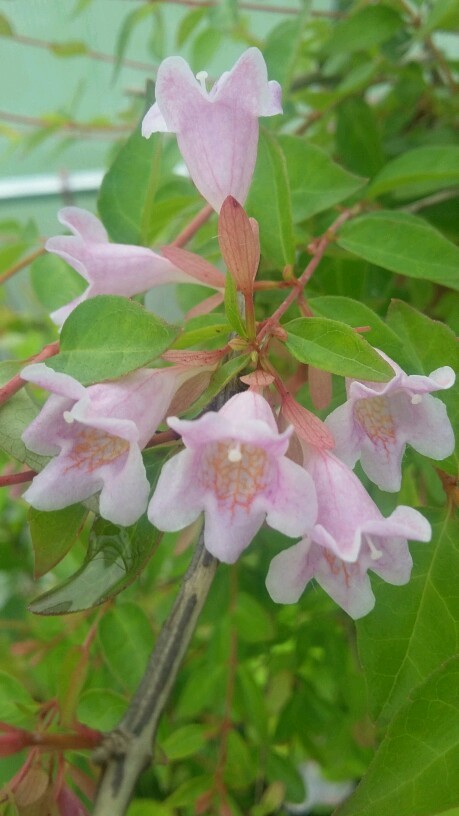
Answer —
370 117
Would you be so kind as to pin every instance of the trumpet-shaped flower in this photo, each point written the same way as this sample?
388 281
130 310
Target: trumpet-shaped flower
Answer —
217 130
351 536
95 436
234 469
109 269
380 419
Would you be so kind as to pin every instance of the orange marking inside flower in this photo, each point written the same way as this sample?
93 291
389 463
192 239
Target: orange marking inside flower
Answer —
375 418
93 448
236 472
337 566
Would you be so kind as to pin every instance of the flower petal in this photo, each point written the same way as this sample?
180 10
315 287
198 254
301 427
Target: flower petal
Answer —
289 572
177 500
292 505
54 381
59 485
124 494
83 223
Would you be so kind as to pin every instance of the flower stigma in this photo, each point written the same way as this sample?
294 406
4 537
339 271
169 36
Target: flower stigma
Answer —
201 76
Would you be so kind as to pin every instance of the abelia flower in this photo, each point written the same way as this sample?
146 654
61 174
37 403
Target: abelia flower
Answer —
234 469
217 130
350 537
109 269
95 436
380 419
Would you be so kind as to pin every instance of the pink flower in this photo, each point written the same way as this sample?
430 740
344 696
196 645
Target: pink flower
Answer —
109 269
217 130
95 436
380 419
234 469
350 537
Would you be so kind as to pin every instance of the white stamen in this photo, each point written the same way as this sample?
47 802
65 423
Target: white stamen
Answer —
234 452
374 552
201 76
68 417
416 399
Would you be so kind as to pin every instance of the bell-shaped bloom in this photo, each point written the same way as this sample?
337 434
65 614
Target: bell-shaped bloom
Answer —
378 420
217 130
234 469
95 436
109 269
351 536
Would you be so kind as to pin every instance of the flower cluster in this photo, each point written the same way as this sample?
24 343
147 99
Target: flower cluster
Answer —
236 466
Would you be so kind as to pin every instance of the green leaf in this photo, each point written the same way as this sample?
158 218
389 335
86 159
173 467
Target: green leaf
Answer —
184 742
127 191
203 687
415 768
443 15
364 29
250 696
194 337
316 182
204 47
240 769
232 307
355 313
101 709
413 629
15 700
269 202
73 48
6 29
189 791
15 416
149 807
126 638
282 48
333 346
402 243
188 24
429 342
55 283
53 533
358 139
252 621
282 769
108 336
114 559
129 24
421 170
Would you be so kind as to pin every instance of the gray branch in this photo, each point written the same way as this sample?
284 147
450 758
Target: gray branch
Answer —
128 750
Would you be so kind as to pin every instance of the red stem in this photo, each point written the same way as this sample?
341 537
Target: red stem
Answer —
319 251
16 382
17 478
190 230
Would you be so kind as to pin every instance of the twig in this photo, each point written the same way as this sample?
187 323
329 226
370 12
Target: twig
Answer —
21 264
190 230
16 382
429 201
253 7
95 55
70 126
17 478
318 253
127 750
